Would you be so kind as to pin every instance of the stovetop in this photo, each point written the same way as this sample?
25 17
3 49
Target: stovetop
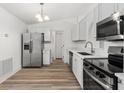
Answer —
102 63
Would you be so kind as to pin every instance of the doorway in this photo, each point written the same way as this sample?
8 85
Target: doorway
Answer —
59 45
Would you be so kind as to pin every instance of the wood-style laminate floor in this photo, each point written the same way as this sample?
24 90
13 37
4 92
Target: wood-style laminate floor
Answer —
57 76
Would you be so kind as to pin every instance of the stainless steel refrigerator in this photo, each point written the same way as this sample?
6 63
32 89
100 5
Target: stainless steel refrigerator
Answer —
33 45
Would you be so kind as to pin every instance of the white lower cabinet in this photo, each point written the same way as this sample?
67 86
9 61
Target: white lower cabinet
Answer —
121 85
120 81
78 69
46 57
74 65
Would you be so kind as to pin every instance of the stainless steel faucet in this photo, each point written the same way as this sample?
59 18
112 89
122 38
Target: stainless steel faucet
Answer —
88 42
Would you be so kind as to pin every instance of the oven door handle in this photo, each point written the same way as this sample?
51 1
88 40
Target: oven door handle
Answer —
105 86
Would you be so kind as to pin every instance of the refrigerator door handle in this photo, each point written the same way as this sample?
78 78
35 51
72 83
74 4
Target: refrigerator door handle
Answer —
42 40
31 46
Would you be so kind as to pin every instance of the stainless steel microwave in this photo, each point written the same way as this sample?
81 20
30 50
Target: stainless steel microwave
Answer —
111 28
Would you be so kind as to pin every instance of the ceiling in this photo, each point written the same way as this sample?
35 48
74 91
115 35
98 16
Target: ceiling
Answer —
56 11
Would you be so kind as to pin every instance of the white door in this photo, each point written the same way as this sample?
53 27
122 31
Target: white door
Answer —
59 44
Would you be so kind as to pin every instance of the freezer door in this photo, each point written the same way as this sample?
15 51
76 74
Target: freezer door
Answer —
36 50
26 50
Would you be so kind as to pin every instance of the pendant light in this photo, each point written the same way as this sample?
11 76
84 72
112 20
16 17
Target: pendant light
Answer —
41 17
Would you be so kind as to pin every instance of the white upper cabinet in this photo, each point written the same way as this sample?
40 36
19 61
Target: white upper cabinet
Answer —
106 10
75 32
120 6
79 31
96 14
87 26
90 26
47 36
83 29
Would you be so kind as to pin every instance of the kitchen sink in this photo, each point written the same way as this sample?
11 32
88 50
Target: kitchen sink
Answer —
84 53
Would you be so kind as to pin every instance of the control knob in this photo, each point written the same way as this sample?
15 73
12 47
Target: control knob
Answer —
102 76
97 73
91 68
86 64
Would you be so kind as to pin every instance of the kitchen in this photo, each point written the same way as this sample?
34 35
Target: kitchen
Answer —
81 43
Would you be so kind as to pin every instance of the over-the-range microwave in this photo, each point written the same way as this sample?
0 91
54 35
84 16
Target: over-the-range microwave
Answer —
111 28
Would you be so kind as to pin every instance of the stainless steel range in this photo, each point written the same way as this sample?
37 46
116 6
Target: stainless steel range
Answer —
99 73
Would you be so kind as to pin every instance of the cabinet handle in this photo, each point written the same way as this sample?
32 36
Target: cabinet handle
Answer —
119 80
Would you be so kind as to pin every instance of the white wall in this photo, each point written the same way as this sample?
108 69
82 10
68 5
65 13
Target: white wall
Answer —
11 46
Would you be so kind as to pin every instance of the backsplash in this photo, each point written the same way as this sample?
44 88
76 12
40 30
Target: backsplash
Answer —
105 44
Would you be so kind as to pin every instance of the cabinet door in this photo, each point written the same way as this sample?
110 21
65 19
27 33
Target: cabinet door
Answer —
75 32
105 10
47 36
75 67
96 14
96 19
120 6
46 57
91 26
121 85
79 31
80 71
83 29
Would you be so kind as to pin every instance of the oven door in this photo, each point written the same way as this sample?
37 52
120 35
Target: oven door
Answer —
92 83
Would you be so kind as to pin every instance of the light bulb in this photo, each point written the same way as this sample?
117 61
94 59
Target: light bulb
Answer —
40 19
46 18
37 16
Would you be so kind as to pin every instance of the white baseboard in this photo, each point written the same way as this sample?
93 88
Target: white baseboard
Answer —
5 77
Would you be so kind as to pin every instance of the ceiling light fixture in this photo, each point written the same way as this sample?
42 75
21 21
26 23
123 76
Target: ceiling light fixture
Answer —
41 17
